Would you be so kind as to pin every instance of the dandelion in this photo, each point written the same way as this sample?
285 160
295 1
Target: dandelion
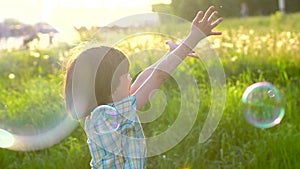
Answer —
66 53
136 50
217 43
61 59
239 45
11 76
288 34
251 31
292 41
264 38
244 37
228 45
279 44
245 50
46 57
234 58
35 54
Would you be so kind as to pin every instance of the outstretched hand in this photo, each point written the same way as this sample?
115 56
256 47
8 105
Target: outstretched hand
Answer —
203 24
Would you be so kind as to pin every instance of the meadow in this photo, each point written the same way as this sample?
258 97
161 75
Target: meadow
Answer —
264 48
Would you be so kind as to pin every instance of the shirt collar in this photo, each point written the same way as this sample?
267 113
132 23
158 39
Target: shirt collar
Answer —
124 105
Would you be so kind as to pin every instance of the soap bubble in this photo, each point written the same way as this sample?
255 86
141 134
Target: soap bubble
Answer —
32 110
32 113
263 105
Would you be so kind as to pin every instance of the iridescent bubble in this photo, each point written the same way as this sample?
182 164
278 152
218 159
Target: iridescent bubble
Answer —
263 105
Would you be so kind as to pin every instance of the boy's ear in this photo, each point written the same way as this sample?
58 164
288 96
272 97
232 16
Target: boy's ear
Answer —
115 92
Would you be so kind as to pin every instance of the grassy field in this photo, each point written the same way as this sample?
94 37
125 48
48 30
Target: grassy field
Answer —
251 50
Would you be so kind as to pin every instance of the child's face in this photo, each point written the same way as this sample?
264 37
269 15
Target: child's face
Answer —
123 89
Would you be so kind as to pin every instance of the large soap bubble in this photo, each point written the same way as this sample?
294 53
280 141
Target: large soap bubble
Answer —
264 105
32 110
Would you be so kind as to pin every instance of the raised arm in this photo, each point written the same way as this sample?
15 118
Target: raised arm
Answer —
145 74
153 77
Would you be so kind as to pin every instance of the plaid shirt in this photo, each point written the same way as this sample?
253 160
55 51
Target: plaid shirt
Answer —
115 136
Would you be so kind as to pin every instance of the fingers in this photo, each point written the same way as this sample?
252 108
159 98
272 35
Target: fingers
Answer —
218 21
203 24
209 16
198 17
212 16
216 33
208 13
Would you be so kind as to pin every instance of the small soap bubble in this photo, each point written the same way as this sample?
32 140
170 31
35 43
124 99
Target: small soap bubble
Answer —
263 105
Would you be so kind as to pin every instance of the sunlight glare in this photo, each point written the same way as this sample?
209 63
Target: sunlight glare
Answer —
75 12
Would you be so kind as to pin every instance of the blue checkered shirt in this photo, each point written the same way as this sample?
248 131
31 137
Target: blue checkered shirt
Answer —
115 136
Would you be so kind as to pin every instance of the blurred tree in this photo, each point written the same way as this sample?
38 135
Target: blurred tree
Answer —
292 6
11 21
162 8
262 7
230 8
188 8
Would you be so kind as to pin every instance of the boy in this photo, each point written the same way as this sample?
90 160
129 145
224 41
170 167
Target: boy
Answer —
115 135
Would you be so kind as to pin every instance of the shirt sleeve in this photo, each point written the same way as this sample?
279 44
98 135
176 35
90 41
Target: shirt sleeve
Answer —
107 125
120 135
133 140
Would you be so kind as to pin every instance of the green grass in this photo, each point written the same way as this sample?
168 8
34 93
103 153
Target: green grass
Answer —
251 50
